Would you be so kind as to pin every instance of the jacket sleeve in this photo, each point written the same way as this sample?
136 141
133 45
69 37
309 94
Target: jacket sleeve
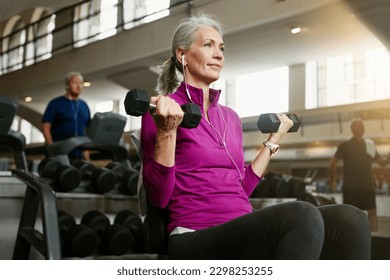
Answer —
250 180
158 180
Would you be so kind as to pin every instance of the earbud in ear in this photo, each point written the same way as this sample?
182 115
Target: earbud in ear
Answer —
183 60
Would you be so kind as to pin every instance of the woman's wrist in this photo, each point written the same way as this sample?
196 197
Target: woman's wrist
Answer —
274 138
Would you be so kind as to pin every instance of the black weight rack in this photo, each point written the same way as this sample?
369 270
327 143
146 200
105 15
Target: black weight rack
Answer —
38 194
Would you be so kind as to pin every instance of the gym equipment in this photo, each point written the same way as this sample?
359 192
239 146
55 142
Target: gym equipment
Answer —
380 246
127 179
268 123
278 185
262 189
10 140
113 239
103 135
296 188
76 240
316 199
63 178
133 222
137 104
156 219
96 180
38 194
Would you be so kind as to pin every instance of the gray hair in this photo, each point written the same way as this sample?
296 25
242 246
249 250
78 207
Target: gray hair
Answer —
356 120
72 74
184 35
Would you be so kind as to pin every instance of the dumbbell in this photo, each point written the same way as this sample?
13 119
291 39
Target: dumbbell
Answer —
126 178
268 123
133 222
63 178
262 189
137 104
114 239
76 240
296 188
278 185
98 180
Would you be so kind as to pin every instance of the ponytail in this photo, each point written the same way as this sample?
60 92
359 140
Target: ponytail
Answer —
167 81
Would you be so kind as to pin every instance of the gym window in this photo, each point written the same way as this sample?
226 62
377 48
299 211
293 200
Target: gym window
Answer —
13 46
262 92
136 12
348 79
94 20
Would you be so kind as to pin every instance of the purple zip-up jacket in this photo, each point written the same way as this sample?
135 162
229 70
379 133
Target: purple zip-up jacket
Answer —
210 183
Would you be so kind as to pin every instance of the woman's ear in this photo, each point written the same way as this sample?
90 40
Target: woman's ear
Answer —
180 56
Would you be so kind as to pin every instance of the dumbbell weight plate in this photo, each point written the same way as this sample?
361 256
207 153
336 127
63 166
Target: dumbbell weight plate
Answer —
278 185
81 241
133 222
67 178
76 240
262 189
192 115
116 240
137 104
47 167
103 180
95 220
129 182
296 188
129 219
296 121
127 179
86 168
119 169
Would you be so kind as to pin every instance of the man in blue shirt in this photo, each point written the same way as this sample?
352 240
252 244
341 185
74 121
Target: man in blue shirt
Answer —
67 116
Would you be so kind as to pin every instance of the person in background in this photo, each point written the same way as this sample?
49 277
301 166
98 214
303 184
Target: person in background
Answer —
68 115
358 154
200 175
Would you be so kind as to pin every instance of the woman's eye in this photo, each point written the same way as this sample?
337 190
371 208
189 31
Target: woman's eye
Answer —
208 45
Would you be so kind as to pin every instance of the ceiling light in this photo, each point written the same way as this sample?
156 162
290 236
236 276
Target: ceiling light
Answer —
28 99
295 30
87 84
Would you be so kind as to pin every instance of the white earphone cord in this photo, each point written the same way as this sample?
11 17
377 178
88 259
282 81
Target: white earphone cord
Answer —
223 139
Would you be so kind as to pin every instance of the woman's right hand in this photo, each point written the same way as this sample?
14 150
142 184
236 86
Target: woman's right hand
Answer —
168 114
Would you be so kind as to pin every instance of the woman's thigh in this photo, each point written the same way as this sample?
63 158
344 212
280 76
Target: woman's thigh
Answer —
347 232
291 230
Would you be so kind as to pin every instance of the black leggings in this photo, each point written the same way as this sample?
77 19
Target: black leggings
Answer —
286 231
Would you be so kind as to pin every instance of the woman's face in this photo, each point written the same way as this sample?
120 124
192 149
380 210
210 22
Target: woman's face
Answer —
204 60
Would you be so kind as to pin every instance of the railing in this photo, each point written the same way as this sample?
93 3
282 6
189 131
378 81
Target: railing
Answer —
72 27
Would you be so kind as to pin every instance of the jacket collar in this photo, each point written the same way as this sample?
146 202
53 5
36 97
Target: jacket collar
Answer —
197 94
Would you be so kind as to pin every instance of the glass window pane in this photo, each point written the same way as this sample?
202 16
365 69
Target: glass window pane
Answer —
262 92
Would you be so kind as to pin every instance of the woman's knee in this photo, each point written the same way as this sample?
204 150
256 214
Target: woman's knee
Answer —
303 212
344 215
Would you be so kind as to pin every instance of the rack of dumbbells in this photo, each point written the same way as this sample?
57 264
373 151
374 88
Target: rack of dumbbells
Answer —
61 191
97 204
83 191
37 193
